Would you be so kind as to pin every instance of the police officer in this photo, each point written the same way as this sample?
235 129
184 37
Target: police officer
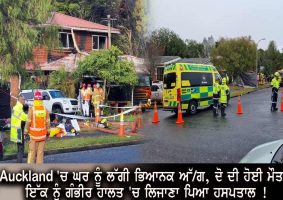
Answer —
224 92
216 92
275 83
17 134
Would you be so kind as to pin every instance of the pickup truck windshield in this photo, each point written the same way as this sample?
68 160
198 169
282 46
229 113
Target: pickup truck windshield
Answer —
56 94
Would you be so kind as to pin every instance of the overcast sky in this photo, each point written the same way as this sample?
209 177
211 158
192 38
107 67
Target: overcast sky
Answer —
196 19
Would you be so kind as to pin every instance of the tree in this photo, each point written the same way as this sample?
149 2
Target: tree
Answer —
195 49
19 32
92 10
271 59
236 56
107 65
62 80
168 42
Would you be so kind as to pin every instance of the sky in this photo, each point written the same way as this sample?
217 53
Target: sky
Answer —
196 19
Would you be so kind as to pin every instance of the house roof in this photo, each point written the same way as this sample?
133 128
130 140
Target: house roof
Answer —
166 60
195 60
69 62
68 22
139 63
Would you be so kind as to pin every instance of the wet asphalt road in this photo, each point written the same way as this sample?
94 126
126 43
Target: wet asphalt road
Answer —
201 139
205 139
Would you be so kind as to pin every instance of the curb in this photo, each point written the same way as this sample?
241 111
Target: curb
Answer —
86 148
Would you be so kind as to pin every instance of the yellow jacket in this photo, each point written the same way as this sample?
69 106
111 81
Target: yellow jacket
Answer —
17 117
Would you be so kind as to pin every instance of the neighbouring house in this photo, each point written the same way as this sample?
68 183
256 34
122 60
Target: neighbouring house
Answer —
77 37
159 63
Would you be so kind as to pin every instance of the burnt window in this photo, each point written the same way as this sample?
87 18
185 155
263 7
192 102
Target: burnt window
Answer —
197 79
98 42
66 40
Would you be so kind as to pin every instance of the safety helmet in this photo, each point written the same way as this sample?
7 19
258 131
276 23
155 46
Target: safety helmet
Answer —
277 74
223 80
38 95
97 85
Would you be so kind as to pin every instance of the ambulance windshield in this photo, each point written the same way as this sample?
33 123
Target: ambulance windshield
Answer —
169 81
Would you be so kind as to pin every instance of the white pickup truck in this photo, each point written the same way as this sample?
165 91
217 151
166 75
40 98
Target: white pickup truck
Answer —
54 100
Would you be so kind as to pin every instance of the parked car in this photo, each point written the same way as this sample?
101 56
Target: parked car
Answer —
156 92
271 152
54 100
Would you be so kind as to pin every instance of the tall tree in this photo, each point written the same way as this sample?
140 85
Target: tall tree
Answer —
19 32
271 59
168 42
235 55
195 49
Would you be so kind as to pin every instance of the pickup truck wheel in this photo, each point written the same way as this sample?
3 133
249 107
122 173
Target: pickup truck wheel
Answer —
57 110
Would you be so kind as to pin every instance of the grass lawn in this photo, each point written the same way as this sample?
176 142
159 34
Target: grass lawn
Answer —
74 142
236 90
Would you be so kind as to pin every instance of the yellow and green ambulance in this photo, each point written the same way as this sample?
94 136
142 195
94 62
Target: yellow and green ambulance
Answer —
188 83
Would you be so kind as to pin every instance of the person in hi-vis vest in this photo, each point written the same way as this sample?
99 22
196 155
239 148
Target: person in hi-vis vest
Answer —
17 134
87 97
83 94
37 127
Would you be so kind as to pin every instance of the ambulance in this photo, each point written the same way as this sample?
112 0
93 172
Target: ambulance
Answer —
188 83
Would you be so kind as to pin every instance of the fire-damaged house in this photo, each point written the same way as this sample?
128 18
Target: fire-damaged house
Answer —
77 37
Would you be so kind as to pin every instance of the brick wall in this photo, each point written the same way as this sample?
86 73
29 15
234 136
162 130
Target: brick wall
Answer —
40 55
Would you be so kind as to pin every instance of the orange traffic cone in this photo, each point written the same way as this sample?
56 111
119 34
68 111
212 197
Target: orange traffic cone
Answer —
240 110
155 114
180 117
281 109
122 127
139 117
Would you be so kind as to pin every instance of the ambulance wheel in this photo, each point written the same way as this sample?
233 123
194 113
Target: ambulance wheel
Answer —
193 108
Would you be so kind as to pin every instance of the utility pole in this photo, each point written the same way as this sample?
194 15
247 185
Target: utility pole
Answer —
256 58
109 30
109 19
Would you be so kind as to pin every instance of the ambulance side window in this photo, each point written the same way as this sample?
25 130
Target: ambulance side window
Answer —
197 79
